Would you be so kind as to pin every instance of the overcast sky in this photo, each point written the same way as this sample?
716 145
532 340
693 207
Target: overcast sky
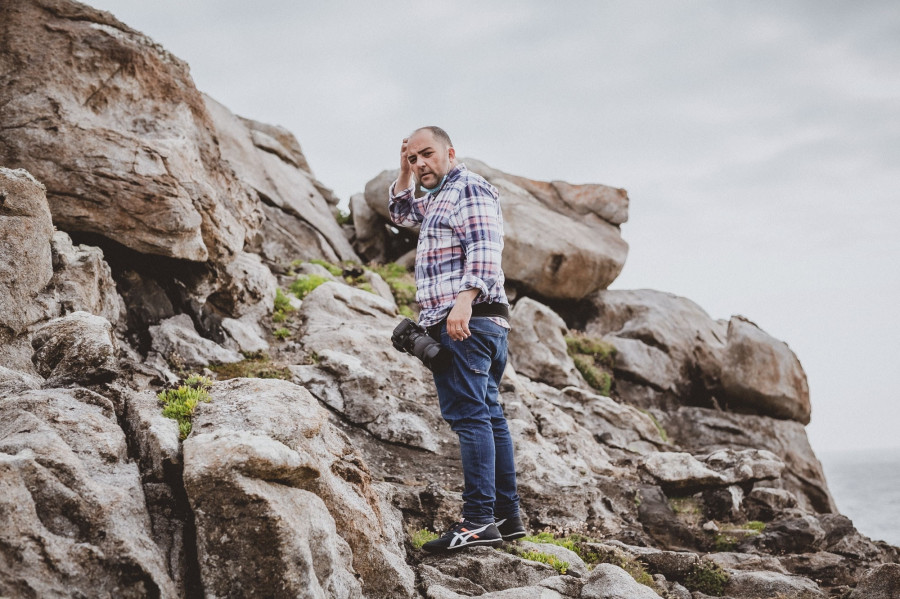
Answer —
759 141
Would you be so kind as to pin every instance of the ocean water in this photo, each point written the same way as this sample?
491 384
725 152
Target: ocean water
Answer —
866 487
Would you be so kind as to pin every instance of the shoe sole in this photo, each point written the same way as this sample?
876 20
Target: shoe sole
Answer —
514 536
458 547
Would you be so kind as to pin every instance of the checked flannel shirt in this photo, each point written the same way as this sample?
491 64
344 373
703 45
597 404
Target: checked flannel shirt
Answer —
460 242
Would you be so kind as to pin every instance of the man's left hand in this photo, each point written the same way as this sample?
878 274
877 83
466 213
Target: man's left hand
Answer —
460 314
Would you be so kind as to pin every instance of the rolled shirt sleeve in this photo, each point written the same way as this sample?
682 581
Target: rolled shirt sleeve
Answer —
478 223
405 209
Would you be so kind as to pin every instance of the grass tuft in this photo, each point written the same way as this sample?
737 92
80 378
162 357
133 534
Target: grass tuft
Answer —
708 578
179 403
256 365
304 284
422 536
594 359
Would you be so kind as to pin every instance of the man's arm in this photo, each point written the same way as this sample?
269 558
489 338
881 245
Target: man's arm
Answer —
402 205
479 225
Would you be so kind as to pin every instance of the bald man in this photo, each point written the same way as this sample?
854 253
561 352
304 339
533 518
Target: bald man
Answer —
459 287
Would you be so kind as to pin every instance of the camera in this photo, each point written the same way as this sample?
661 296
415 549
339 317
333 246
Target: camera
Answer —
413 339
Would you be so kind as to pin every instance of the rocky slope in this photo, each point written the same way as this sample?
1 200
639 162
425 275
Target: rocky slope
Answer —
147 234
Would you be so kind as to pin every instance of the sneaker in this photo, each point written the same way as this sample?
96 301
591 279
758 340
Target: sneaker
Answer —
465 534
511 528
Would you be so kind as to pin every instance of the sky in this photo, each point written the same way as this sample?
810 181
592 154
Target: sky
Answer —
759 142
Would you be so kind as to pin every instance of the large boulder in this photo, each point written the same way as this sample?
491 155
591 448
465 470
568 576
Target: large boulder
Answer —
283 504
300 220
537 345
114 127
762 374
25 261
78 348
82 280
669 352
882 582
74 516
562 241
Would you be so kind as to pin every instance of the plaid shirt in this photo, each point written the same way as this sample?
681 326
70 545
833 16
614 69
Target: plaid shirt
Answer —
460 242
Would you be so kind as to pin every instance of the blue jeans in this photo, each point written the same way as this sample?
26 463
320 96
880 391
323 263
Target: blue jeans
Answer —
468 394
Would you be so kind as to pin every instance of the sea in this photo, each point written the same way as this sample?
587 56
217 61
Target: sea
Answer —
865 485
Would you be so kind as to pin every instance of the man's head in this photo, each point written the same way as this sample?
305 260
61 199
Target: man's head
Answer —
431 155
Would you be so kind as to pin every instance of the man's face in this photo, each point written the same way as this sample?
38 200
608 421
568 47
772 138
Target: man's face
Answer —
430 159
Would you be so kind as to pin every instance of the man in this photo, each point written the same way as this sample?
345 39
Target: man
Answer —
459 285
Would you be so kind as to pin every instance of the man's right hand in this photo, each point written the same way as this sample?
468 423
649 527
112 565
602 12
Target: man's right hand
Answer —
405 179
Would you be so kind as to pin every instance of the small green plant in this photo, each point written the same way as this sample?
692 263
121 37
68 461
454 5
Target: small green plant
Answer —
725 542
707 577
402 284
755 525
282 333
594 359
255 365
304 284
545 558
593 376
659 427
343 218
179 403
335 270
688 509
422 536
282 302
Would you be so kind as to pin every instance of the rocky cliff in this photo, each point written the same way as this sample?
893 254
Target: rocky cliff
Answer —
198 394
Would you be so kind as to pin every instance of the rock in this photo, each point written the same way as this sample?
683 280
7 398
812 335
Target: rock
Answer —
371 241
881 582
13 382
562 241
349 329
78 348
607 581
677 354
75 521
764 503
491 569
82 280
245 288
752 585
567 586
824 567
271 478
674 565
683 472
701 431
537 345
269 159
25 232
762 375
244 336
432 577
576 567
177 340
531 592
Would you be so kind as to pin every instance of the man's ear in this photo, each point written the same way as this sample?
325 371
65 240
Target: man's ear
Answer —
451 153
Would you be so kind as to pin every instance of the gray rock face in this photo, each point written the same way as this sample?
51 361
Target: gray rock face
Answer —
118 134
82 280
176 339
537 345
882 582
75 520
78 348
277 488
491 569
25 263
675 353
682 471
562 241
700 431
762 374
269 159
611 582
760 585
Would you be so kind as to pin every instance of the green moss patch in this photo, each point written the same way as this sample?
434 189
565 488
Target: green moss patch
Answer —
594 359
179 403
254 366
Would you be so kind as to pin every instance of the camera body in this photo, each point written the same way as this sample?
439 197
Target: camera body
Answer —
413 339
